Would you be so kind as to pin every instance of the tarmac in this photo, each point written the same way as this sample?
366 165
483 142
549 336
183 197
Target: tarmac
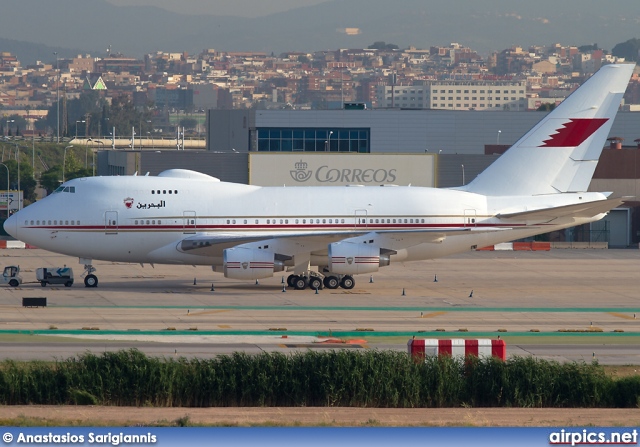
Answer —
564 305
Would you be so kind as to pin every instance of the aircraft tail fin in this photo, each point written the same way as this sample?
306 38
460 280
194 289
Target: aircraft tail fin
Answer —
560 153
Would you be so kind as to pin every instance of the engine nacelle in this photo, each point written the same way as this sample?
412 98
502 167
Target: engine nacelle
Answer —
247 263
351 258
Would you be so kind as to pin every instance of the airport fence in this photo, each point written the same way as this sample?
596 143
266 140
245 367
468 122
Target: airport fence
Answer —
336 378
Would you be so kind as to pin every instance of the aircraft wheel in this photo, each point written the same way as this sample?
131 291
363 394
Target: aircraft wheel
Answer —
68 283
331 282
14 283
347 282
91 281
300 283
315 283
291 280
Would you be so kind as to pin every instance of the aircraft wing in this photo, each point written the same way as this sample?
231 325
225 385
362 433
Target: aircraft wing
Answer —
291 243
553 214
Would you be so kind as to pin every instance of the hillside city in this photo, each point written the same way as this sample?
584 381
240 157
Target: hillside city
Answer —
175 89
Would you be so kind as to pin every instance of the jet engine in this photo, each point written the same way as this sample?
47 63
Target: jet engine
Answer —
247 263
353 258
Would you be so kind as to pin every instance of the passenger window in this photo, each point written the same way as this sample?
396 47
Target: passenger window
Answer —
245 221
164 191
152 191
37 222
153 222
256 221
297 221
175 192
48 222
135 222
159 222
170 191
66 222
304 221
233 221
268 221
147 222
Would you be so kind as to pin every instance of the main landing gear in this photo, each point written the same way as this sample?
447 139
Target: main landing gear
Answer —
90 280
314 281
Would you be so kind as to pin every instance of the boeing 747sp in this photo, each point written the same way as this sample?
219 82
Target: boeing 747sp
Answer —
250 232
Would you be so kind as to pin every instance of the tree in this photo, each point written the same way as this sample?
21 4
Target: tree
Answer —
188 123
123 116
629 49
50 179
27 182
381 45
587 48
546 107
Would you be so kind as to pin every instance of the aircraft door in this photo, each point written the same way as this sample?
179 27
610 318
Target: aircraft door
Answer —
470 218
189 222
360 218
111 222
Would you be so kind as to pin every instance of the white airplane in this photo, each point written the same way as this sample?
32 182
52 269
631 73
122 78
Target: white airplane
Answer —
250 232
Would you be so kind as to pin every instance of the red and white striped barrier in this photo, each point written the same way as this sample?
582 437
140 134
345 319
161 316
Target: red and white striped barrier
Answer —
457 348
14 244
518 246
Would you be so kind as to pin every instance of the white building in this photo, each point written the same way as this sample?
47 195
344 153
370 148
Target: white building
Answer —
455 95
477 95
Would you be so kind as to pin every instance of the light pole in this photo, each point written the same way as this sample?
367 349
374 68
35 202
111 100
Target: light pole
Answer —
78 121
64 160
462 175
498 138
9 121
5 166
57 99
329 140
94 156
18 158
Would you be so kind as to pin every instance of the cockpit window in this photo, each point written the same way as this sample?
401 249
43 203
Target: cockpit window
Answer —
71 189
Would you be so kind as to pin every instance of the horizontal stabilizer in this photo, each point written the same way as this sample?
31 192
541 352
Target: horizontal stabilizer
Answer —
579 210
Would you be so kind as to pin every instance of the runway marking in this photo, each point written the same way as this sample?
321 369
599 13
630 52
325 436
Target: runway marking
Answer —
325 334
321 345
207 312
433 314
379 308
625 316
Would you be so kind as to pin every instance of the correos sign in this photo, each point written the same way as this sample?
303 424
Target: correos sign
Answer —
346 169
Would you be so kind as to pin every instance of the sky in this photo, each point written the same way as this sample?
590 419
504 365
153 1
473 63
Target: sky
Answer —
242 8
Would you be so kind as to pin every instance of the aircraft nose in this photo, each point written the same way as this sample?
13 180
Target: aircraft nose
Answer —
11 226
